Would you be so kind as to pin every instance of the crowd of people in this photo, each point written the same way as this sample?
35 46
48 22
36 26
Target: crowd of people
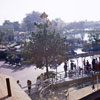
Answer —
93 66
88 67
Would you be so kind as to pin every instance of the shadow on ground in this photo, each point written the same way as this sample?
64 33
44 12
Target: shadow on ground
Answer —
4 98
14 67
33 95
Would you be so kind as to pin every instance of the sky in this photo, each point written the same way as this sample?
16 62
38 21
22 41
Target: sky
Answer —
67 10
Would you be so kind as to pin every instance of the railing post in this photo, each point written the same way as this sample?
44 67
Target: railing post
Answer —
8 87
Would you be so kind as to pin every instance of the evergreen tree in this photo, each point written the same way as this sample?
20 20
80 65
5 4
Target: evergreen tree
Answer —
45 47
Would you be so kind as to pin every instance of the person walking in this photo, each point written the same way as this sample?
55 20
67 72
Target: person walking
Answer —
75 66
84 63
19 83
65 69
93 64
72 65
96 64
29 83
87 66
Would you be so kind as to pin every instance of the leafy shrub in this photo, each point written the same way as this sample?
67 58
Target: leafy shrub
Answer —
51 74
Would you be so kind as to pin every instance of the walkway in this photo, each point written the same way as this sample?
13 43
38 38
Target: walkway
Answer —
16 91
74 93
22 74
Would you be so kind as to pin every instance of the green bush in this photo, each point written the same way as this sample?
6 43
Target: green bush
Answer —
52 74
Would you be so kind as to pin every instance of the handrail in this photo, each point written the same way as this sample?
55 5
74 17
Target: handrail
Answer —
52 82
43 89
61 75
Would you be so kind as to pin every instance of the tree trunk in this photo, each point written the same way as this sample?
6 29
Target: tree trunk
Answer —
47 68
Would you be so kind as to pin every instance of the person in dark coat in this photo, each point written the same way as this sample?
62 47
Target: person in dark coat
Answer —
72 65
65 69
99 65
87 66
96 64
93 64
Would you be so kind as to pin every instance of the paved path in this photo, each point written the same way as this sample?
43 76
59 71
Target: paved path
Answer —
22 73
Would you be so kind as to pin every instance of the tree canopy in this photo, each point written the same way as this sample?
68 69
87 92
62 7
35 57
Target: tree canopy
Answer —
6 34
45 48
94 36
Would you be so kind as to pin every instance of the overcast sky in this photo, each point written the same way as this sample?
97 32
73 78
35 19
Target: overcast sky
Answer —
67 10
